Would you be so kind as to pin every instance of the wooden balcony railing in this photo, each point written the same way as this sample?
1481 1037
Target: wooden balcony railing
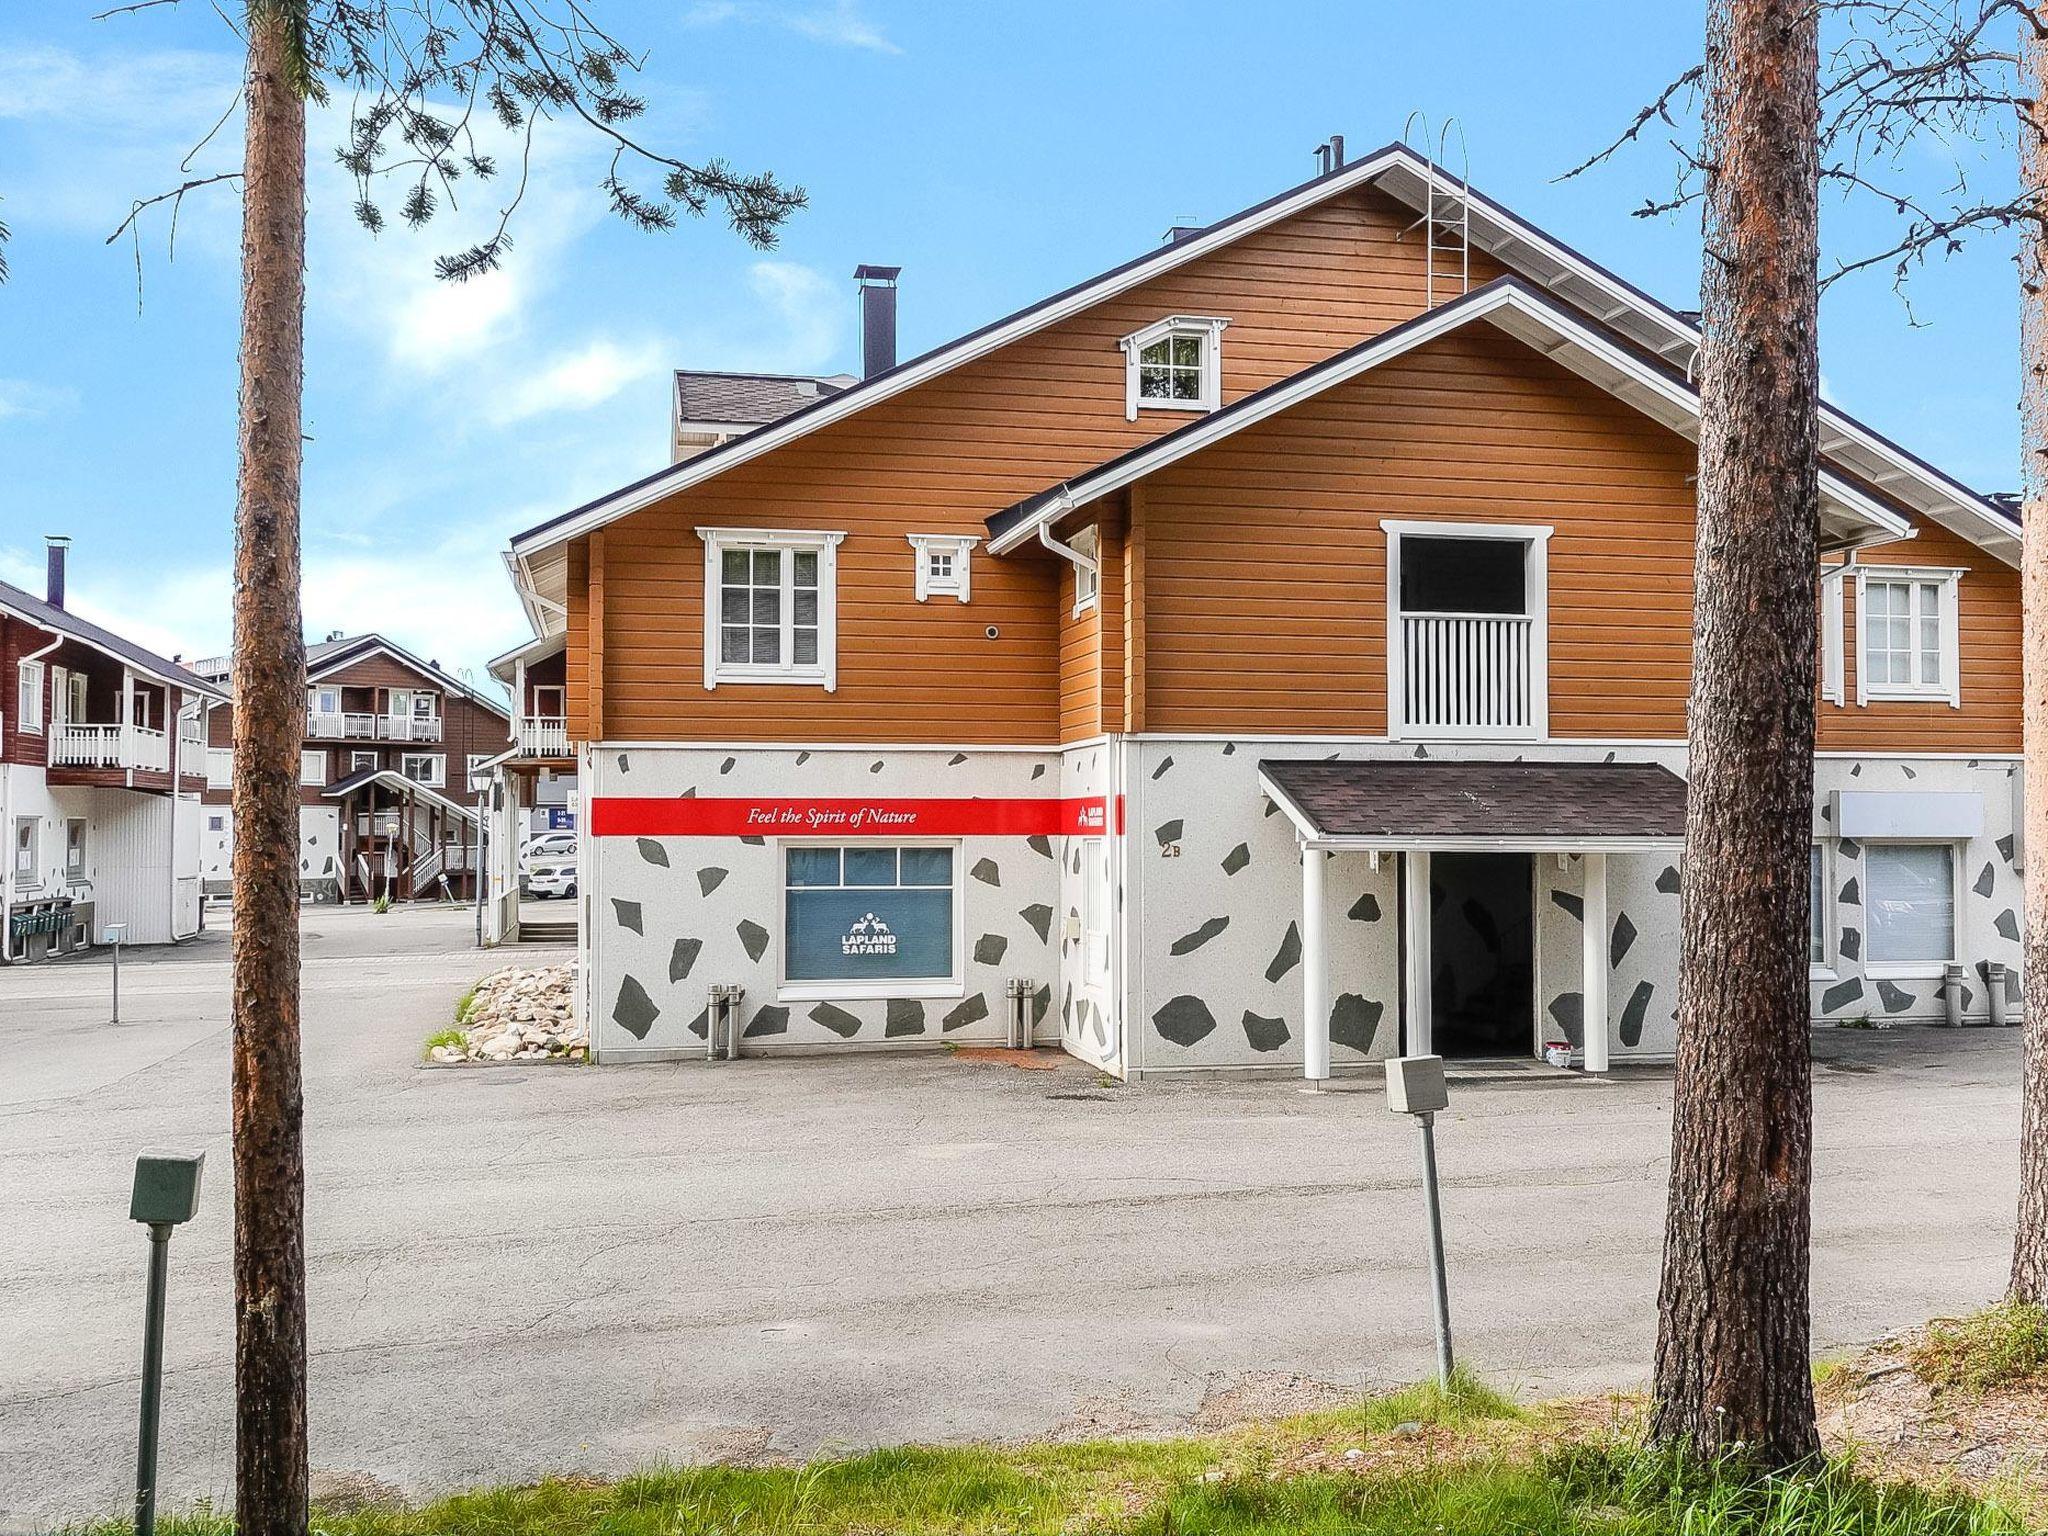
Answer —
1468 674
109 746
332 725
544 735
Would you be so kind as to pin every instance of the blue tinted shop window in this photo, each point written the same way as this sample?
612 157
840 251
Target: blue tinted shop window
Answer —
868 914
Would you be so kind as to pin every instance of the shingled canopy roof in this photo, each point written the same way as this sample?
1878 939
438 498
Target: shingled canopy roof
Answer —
1431 803
749 399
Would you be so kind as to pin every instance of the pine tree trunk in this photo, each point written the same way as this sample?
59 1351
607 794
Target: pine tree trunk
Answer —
2030 1240
1732 1340
270 718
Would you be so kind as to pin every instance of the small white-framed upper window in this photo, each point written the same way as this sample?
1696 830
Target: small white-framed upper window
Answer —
422 768
1907 634
942 560
770 606
1175 364
28 703
1087 578
312 768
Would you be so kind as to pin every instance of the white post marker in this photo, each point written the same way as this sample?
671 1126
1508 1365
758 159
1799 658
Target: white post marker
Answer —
114 934
1415 1086
1593 997
1315 975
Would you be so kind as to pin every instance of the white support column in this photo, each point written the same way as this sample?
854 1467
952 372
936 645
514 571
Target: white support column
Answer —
1416 1003
1593 1014
1315 971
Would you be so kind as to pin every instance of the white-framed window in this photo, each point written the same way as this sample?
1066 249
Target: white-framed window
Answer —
75 698
220 767
1906 634
1832 581
1909 902
770 606
1175 364
74 848
426 706
1817 911
1468 630
941 564
871 920
216 823
1087 578
313 768
1095 911
359 760
325 700
28 700
550 701
422 768
25 835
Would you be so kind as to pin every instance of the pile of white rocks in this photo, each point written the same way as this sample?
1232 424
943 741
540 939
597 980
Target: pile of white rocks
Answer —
518 1015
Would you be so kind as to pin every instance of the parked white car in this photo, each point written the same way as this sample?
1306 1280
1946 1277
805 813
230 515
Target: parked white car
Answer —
548 846
552 877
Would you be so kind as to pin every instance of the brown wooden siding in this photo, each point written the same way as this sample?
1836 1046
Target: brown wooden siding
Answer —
1988 615
1265 561
939 459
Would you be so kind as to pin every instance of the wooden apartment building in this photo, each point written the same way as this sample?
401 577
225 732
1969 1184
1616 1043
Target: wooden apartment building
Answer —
387 807
1271 652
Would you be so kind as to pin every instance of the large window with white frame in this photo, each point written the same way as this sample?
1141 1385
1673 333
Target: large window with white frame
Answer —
1175 364
1909 894
422 768
770 606
1467 630
871 920
1907 634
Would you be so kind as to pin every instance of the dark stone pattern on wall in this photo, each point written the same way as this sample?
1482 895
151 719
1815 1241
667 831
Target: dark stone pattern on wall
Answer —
653 852
1364 910
753 938
843 1024
634 1012
1568 1010
1569 901
1354 1020
1634 1012
1184 1020
1264 1034
627 913
771 1020
1841 994
1895 998
1237 858
906 1017
683 957
1187 943
972 1011
1289 954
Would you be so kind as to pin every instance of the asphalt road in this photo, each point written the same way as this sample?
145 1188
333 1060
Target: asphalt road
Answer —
524 1270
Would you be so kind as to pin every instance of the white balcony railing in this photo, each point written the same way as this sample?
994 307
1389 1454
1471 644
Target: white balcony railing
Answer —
544 735
1468 674
191 757
109 746
333 725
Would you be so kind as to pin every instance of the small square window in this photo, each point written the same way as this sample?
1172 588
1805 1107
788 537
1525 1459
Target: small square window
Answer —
1175 364
74 848
942 564
1907 627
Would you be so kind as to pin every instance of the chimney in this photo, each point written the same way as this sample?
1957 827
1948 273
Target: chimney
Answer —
1330 155
53 589
1181 229
877 318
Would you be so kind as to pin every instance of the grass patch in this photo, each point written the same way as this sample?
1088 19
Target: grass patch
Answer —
465 1004
1420 1462
441 1037
2003 1346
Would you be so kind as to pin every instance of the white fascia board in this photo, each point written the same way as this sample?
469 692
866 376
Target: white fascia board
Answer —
1532 844
1289 808
1576 346
195 684
836 407
406 658
537 649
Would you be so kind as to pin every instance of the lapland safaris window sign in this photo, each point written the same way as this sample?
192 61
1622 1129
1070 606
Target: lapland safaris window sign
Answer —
870 920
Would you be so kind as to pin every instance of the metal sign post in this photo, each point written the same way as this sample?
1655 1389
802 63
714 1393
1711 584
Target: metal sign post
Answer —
165 1196
115 933
1415 1086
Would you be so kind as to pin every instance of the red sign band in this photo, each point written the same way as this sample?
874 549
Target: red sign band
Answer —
709 816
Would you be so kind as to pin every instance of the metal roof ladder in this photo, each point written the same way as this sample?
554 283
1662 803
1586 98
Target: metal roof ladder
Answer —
1446 219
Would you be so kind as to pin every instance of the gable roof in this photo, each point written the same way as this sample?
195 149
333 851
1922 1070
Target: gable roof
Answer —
392 778
749 399
330 656
537 558
1551 327
62 621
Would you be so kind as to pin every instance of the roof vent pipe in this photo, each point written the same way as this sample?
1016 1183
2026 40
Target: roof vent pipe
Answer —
53 581
877 318
1330 155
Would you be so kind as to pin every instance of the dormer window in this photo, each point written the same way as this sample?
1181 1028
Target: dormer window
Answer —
1174 365
941 564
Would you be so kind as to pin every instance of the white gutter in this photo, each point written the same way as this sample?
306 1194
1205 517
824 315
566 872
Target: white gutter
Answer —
1062 504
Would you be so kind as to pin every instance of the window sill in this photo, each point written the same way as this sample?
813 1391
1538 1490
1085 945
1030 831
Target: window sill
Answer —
1822 973
799 679
1908 696
867 991
1909 970
1201 406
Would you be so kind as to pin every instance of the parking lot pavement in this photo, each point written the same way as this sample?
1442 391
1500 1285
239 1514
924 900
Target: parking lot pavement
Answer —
518 1270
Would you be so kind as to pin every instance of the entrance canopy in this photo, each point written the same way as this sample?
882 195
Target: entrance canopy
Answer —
397 782
1480 807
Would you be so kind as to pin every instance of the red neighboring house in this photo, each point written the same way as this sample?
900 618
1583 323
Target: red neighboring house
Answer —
102 758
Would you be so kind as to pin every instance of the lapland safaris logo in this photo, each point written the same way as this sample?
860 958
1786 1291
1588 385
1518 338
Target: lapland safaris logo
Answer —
869 936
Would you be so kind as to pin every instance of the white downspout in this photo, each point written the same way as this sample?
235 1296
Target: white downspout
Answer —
7 814
1067 552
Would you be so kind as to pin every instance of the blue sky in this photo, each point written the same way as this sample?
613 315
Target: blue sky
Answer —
994 152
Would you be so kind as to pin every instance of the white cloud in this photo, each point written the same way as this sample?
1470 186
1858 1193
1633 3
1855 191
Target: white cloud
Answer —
839 23
25 398
575 381
176 611
796 325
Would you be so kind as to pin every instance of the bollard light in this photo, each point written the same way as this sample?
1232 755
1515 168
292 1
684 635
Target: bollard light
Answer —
114 934
1416 1086
166 1195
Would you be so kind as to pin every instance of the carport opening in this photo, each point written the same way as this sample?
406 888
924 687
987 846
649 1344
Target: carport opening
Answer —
1482 953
